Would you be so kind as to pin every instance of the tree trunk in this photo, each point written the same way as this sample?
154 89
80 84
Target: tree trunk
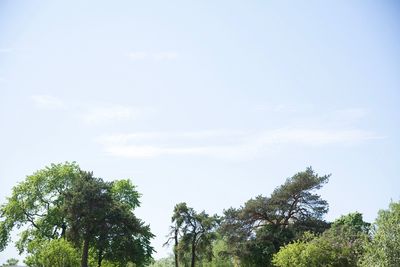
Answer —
63 227
85 253
176 248
193 251
100 258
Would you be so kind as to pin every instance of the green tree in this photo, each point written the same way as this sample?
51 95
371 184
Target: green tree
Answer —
340 246
37 204
54 253
384 248
220 258
86 204
299 253
101 213
197 233
164 262
256 231
10 262
62 201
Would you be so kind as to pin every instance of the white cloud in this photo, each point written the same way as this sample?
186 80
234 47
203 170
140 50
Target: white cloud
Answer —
113 113
143 136
165 56
350 114
314 137
132 151
241 145
137 55
48 102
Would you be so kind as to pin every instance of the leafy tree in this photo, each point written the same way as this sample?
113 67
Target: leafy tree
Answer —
54 253
101 213
298 253
340 246
10 262
197 232
164 262
174 237
86 204
384 248
256 231
220 258
36 203
62 201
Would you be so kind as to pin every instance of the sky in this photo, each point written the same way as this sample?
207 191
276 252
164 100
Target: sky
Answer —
205 102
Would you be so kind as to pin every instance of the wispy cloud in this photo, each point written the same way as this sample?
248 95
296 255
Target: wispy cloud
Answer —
145 136
165 56
113 113
137 55
48 102
351 114
159 56
93 114
234 145
315 137
6 50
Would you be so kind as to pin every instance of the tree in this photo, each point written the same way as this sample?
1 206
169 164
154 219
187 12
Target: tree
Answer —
174 237
256 231
220 258
197 232
62 201
10 262
164 262
101 213
85 206
341 245
54 253
384 248
36 203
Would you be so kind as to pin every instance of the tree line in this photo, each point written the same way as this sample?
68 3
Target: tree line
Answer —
284 229
71 218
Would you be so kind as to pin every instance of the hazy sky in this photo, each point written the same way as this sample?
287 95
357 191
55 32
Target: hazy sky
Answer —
207 102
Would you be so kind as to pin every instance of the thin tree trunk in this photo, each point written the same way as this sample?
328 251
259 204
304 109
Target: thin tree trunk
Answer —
100 258
193 251
63 227
85 253
176 248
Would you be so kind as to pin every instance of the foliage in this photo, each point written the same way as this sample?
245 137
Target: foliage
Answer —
164 262
220 258
36 203
256 231
10 262
123 237
97 214
384 248
62 201
54 253
196 234
341 245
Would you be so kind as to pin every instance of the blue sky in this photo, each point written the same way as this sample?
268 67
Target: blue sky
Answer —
207 102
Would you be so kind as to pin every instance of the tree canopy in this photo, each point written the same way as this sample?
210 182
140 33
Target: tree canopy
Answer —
69 217
341 245
257 230
63 201
384 248
193 234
